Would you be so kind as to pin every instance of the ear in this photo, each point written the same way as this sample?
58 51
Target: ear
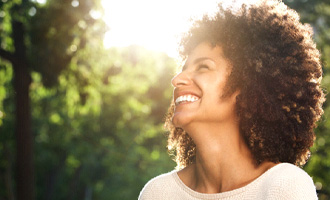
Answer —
235 94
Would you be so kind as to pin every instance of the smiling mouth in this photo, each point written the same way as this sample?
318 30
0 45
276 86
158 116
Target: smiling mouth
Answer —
186 99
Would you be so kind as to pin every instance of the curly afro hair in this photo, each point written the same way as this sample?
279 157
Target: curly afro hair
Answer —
275 66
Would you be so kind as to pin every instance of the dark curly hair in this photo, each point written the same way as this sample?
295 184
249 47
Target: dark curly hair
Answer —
275 66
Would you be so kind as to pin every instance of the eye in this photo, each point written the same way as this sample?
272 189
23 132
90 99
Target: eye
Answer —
202 66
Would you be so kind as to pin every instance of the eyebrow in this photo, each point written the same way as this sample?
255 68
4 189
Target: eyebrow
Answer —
197 60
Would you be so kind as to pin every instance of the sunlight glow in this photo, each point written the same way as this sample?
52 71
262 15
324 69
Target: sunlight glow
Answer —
38 1
75 3
153 24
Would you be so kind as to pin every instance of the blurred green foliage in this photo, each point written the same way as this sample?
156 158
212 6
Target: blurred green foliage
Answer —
96 114
97 117
104 138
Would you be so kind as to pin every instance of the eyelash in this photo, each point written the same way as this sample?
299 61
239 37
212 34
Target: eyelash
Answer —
203 66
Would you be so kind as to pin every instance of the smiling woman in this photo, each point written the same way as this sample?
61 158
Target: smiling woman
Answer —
204 78
244 108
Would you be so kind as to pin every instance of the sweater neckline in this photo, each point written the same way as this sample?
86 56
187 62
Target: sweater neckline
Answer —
223 194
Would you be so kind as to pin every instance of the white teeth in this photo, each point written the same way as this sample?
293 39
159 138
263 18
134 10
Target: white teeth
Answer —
188 98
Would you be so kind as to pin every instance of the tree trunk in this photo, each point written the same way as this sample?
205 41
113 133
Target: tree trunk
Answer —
24 138
8 173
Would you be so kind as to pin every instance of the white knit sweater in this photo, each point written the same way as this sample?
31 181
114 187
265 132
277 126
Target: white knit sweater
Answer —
282 182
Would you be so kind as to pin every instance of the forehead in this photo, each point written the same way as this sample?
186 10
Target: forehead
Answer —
206 51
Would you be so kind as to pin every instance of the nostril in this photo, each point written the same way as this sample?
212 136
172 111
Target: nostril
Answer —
180 79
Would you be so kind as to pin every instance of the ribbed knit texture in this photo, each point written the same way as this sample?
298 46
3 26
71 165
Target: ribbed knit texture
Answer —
282 182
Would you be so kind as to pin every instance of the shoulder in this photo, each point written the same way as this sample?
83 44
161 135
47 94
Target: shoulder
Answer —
286 174
158 187
287 181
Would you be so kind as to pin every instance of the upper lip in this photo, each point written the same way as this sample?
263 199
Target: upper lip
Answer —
178 93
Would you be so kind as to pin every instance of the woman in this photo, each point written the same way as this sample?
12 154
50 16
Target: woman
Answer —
245 106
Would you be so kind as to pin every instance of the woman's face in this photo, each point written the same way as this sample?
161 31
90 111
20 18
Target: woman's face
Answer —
199 89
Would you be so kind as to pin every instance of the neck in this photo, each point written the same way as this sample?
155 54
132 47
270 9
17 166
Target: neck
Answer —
223 160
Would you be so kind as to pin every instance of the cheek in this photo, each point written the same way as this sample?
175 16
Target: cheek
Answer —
215 88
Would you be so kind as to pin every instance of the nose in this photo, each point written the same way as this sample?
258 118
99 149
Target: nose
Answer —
181 79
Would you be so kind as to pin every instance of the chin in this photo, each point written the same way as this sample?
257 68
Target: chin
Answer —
180 121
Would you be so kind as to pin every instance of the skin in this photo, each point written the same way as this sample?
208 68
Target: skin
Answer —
223 160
